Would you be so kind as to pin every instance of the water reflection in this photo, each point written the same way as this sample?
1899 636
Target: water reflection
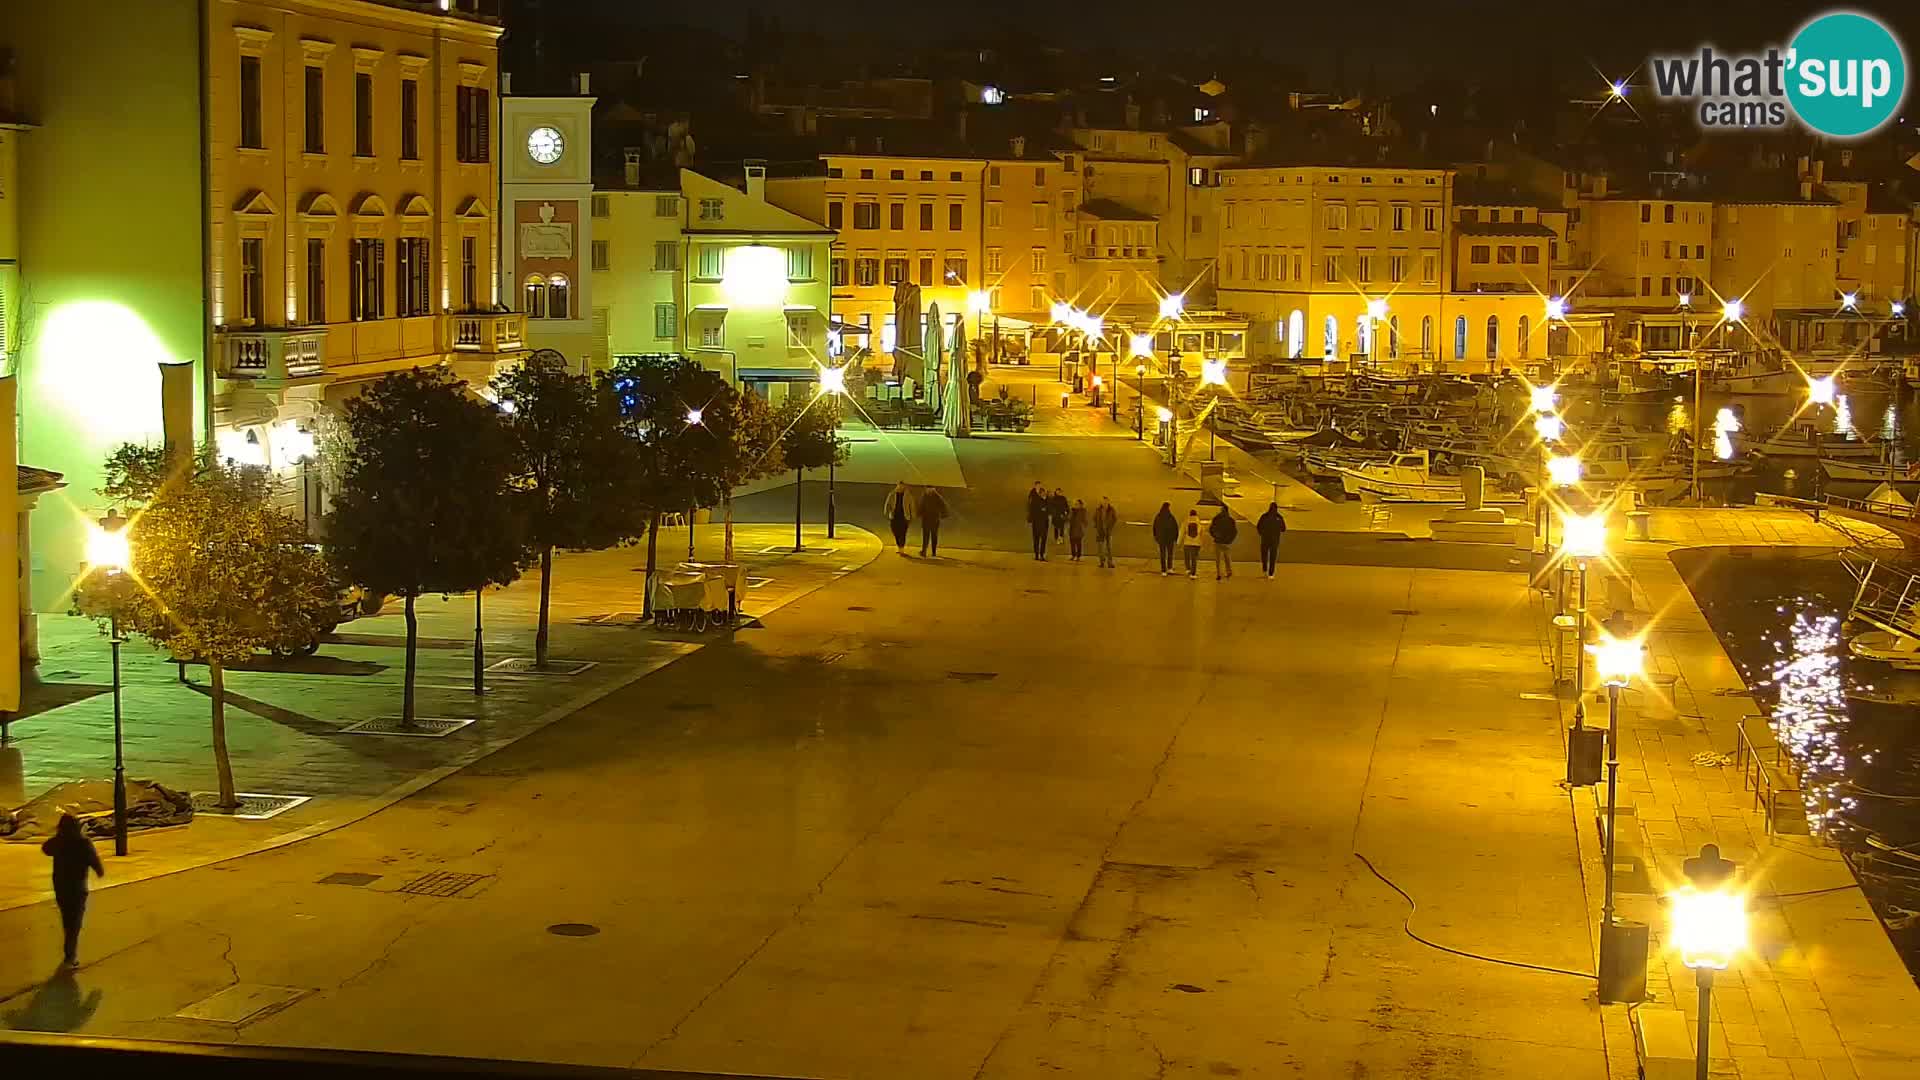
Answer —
1810 713
1842 416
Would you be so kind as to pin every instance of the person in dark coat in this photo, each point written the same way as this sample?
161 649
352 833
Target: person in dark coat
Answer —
933 510
1166 533
73 857
1271 527
1223 530
899 510
1106 520
1037 520
1057 513
1077 527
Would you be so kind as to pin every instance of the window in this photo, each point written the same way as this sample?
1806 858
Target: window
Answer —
602 206
926 216
1297 275
535 297
1643 249
1332 269
800 263
866 215
1363 335
1646 212
415 273
1197 177
1699 251
1366 267
1666 249
713 209
993 176
713 335
1393 337
953 217
897 174
557 297
1524 347
1396 268
1669 213
1369 216
316 281
925 277
1506 255
666 322
993 215
1684 284
866 270
409 119
367 289
363 114
994 265
601 259
897 215
252 287
1666 286
1297 332
837 269
1429 218
1646 286
836 215
1426 335
666 206
316 103
835 172
1042 215
712 262
1330 338
1493 336
1037 261
1039 176
866 174
666 255
1334 216
1460 337
1429 268
1530 255
470 272
1400 218
895 270
473 109
954 176
956 269
926 174
250 133
1036 298
799 334
1480 255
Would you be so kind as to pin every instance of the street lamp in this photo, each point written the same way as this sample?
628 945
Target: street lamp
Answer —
1820 391
1549 427
1709 928
1542 398
1139 400
1556 307
833 383
1732 310
109 548
1585 538
1563 470
693 420
1617 662
1173 305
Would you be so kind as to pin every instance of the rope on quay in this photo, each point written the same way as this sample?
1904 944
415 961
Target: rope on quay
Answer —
1407 925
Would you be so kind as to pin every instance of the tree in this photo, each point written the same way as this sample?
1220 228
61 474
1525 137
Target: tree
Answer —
573 463
809 439
751 452
425 502
214 572
678 417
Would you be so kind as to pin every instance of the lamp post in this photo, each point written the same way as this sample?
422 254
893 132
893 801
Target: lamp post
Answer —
1584 538
1376 315
109 549
1617 663
693 420
1173 408
1140 401
1709 928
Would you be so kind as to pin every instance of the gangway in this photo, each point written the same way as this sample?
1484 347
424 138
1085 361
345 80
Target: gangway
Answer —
1886 600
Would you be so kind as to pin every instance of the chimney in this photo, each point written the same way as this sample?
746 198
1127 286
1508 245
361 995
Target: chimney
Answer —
756 170
1018 144
1800 166
1820 171
1806 188
584 83
1133 114
633 166
960 126
506 84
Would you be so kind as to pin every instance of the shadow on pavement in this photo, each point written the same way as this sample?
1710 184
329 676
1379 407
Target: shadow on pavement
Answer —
301 722
57 1006
39 697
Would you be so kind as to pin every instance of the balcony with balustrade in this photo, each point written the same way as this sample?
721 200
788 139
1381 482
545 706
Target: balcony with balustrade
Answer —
271 355
487 333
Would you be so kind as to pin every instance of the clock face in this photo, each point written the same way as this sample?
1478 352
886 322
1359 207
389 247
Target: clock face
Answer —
544 145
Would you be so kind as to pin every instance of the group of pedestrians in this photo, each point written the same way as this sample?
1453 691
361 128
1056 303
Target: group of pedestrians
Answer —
1051 515
929 507
1219 531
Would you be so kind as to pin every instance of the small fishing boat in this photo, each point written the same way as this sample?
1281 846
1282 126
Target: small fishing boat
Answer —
1803 441
1408 476
1872 473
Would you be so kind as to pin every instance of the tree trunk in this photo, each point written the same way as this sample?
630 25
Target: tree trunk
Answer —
799 486
546 599
222 764
653 543
726 504
406 694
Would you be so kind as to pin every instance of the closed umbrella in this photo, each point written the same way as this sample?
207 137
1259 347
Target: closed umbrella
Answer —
959 409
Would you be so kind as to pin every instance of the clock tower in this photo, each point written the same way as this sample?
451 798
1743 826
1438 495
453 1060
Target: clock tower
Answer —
546 221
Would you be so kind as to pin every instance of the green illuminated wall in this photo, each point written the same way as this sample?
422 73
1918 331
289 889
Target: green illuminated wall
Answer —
110 245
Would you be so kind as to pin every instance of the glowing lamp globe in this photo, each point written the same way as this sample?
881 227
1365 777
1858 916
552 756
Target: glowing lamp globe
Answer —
1849 300
1709 926
1617 661
1376 309
1549 426
1542 398
1165 414
1820 391
693 416
1584 536
1213 373
833 380
107 548
1556 307
979 302
1141 345
1173 305
1563 470
1732 310
1059 312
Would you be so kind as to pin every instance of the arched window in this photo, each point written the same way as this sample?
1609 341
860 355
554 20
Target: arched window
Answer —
1426 335
1297 332
1330 343
1280 332
1363 335
536 297
1493 337
1523 337
557 297
1460 337
1393 337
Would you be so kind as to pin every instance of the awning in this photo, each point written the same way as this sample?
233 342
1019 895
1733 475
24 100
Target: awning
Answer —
779 374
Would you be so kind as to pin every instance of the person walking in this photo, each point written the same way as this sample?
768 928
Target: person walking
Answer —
73 856
1271 527
899 509
1190 543
1105 520
933 510
1037 520
1166 533
1057 513
1077 527
1223 530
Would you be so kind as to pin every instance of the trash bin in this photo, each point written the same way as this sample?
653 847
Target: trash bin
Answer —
1585 747
1639 525
1213 481
1623 962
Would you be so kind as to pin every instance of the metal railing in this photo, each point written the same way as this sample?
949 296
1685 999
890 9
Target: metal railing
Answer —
1767 780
